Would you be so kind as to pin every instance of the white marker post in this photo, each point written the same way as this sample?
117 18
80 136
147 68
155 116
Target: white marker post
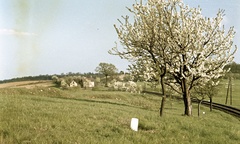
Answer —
134 124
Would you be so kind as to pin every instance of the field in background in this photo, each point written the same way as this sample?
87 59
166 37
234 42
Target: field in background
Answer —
50 115
27 84
220 97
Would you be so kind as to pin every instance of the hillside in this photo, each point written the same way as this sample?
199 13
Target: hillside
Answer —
51 115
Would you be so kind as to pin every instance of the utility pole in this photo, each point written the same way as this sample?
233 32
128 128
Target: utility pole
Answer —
229 90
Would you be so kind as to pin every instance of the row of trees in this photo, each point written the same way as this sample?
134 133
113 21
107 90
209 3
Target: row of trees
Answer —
235 68
27 78
175 43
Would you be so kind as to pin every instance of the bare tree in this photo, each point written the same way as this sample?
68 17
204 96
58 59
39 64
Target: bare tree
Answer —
179 41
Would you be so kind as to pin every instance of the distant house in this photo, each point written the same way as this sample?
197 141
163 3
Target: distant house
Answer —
73 84
88 83
91 84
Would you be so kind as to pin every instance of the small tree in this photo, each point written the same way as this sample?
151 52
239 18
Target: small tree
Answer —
106 69
56 80
207 90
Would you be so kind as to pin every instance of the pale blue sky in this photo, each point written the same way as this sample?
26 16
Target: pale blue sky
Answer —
60 36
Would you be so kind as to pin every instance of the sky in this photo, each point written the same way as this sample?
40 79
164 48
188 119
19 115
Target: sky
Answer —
39 37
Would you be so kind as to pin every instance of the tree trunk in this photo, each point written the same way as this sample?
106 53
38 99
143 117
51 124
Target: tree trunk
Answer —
186 99
199 105
187 104
106 81
211 107
163 93
163 100
162 105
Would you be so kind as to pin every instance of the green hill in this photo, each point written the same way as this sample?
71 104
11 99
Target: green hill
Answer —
51 115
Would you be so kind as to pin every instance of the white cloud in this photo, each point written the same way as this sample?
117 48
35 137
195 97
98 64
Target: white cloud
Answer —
14 32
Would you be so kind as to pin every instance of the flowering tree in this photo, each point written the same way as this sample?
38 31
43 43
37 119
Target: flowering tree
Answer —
177 40
209 90
145 44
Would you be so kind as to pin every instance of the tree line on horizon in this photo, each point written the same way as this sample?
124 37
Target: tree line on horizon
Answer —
235 70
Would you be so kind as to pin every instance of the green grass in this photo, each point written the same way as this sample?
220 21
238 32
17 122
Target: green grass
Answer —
44 115
220 97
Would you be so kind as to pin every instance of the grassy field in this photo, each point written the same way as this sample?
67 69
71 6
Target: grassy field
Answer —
221 95
51 115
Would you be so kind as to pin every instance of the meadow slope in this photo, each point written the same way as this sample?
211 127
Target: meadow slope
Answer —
52 115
